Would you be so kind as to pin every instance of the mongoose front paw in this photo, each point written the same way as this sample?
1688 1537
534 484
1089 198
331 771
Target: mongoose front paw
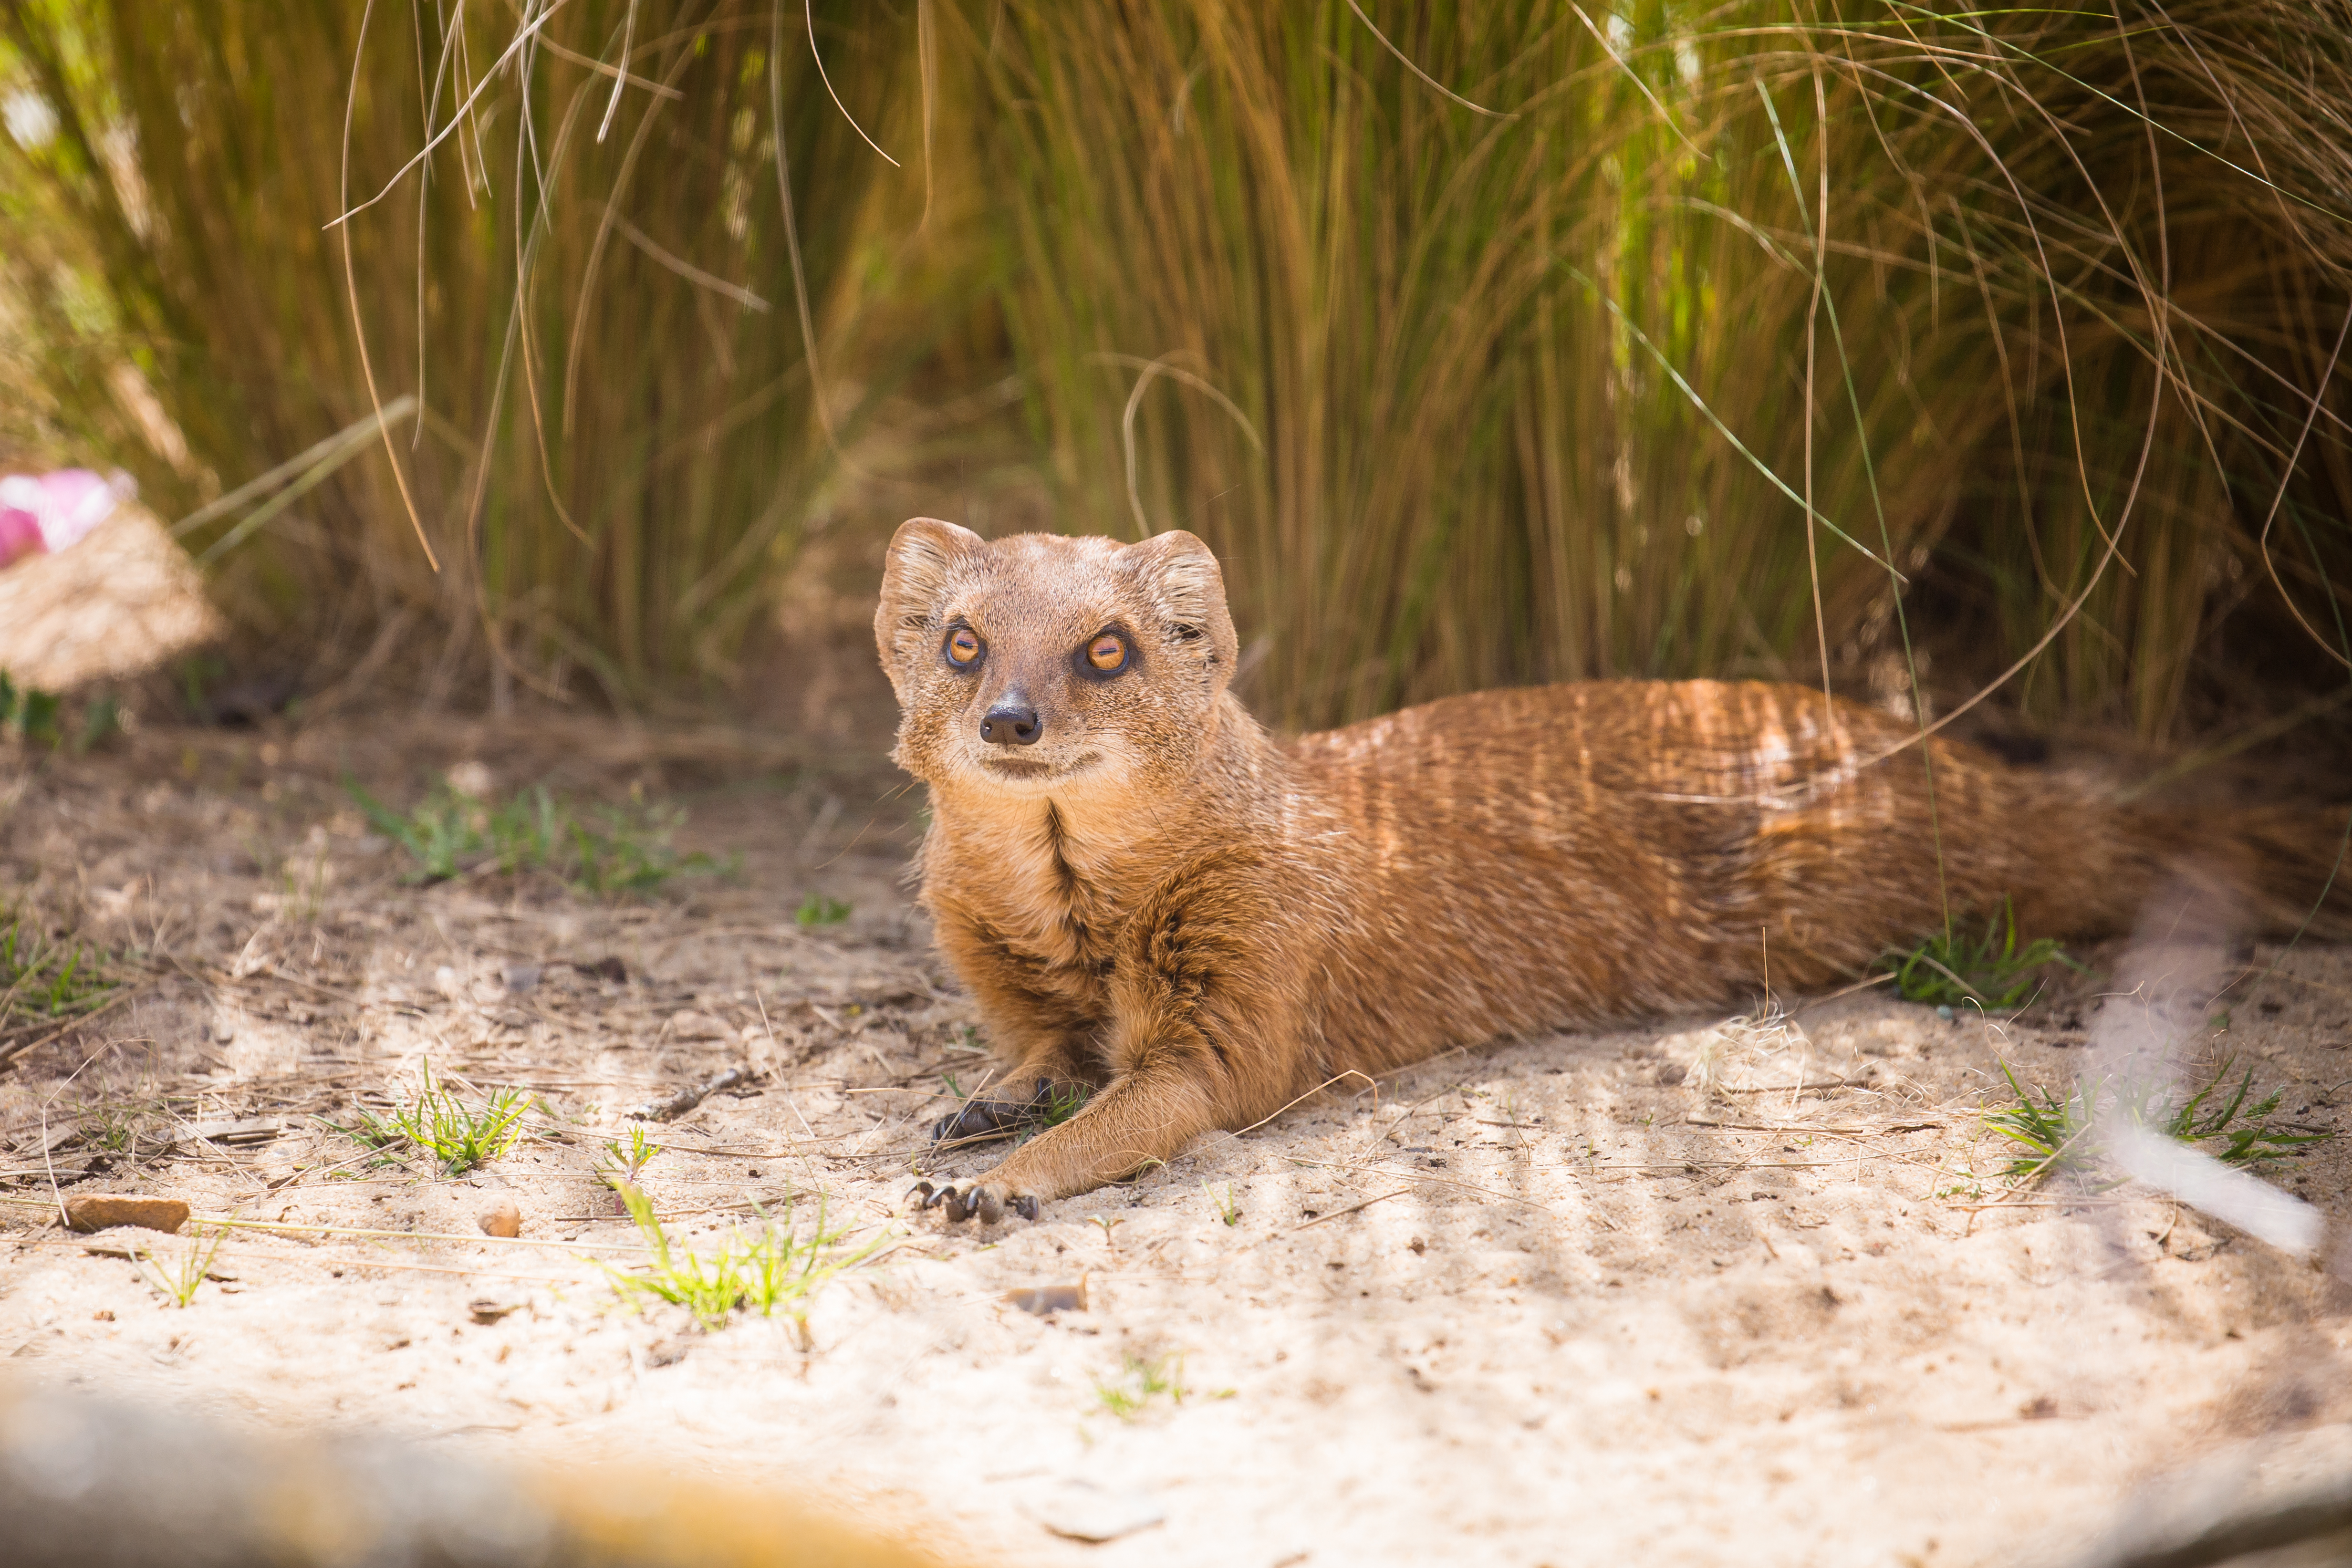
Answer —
987 1118
987 1202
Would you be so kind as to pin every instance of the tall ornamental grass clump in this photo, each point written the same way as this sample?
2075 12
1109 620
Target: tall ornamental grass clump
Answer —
567 241
1515 340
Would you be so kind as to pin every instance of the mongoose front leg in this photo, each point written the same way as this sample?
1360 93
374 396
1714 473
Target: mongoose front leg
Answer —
1200 1038
1144 1116
1040 1017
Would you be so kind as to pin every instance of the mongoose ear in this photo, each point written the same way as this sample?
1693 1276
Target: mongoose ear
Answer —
923 553
1181 574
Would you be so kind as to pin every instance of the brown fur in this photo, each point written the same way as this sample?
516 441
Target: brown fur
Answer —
1160 902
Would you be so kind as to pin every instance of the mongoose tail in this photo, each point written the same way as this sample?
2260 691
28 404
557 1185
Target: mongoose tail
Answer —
1153 900
1518 860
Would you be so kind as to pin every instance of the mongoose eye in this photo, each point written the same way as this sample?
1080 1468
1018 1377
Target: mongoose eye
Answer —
964 647
1107 652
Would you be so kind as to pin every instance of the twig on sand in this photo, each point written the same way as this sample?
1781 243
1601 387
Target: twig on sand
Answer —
274 1227
1338 1213
116 1249
1808 1127
1414 1175
685 1100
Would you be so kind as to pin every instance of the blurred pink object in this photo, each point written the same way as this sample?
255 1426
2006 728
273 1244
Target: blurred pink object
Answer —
48 512
20 534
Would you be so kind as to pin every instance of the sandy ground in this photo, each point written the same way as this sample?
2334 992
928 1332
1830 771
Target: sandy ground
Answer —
1543 1303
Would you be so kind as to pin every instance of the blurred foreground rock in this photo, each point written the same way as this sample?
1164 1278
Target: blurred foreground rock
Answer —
86 1483
105 1210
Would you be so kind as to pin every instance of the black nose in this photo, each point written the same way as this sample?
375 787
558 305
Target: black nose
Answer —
1011 725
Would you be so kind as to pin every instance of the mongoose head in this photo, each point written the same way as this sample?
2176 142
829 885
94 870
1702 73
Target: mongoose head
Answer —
1042 665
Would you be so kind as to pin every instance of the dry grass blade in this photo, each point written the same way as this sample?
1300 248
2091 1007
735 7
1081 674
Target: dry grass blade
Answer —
1565 396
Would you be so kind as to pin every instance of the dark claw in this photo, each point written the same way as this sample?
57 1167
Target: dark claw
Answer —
1026 1206
921 1191
979 1118
953 1202
990 1208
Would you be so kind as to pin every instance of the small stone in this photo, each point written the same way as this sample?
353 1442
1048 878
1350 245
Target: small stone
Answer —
521 978
1081 1510
487 1310
103 1211
103 1315
1045 1300
503 1217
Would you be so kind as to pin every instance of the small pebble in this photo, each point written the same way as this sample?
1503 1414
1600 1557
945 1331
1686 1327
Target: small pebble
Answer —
502 1219
1081 1510
1944 1012
103 1211
1045 1300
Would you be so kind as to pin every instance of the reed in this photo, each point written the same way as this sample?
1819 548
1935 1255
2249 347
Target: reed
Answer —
1513 342
1892 346
568 241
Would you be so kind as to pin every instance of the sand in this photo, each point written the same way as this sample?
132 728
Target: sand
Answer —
1554 1302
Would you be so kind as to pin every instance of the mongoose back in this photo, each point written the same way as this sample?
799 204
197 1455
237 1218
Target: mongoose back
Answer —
1154 900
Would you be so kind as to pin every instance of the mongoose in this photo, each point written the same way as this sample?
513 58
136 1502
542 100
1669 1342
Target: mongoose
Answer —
1154 900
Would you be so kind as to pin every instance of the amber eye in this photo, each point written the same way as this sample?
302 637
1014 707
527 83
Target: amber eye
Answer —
1107 652
964 646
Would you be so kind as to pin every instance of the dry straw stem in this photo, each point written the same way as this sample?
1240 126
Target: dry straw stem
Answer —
2029 306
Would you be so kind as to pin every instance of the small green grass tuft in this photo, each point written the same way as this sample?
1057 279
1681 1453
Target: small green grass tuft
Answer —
1221 1199
101 721
1950 968
820 909
112 1128
775 1272
600 851
624 1162
45 979
1062 1100
34 717
178 1281
1129 1393
2058 1133
459 1136
28 715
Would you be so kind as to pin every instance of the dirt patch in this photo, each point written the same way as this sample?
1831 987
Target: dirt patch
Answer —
1544 1303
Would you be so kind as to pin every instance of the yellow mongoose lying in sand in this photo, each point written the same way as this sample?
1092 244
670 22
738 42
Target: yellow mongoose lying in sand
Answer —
1153 899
